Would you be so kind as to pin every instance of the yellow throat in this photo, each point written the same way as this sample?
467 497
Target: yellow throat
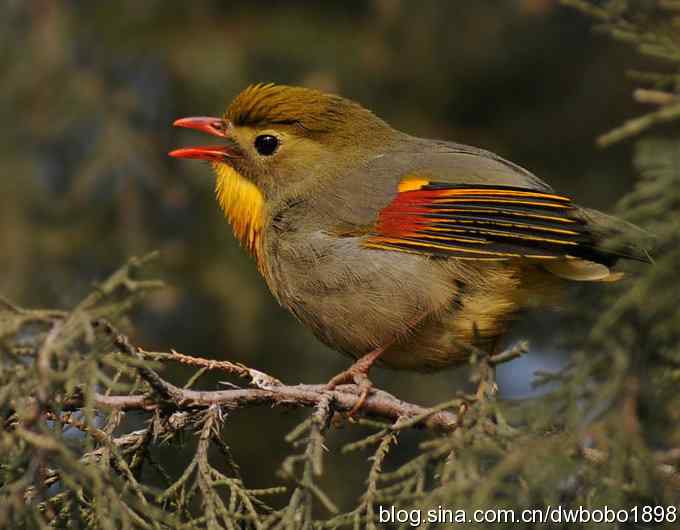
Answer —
243 205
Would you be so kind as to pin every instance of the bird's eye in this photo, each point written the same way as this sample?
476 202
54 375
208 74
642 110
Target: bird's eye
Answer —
266 144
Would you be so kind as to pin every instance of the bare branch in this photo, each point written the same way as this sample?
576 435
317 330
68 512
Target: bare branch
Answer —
380 404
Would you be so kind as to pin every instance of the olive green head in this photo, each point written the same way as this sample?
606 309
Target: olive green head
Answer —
277 135
278 141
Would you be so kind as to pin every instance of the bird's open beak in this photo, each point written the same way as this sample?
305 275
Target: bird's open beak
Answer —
215 127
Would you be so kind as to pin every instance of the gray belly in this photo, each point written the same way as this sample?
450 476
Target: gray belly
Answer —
356 299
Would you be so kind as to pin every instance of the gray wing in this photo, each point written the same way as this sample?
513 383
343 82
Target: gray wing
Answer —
472 204
357 198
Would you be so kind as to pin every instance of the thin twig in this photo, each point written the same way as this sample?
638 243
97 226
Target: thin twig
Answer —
654 97
635 126
200 362
516 351
166 390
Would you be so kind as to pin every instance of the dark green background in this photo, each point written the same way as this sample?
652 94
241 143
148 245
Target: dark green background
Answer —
89 91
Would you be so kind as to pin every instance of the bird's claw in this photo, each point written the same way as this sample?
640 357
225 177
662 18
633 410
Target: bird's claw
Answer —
357 376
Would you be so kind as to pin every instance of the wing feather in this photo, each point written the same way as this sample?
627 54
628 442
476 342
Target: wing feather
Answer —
482 222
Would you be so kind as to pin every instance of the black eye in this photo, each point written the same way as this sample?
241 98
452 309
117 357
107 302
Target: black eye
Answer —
266 144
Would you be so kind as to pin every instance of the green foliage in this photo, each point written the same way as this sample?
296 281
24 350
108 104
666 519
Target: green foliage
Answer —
606 433
48 473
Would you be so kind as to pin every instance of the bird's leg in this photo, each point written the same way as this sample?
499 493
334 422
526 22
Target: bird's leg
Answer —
358 374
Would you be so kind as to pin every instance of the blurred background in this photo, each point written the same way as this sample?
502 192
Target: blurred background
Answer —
88 94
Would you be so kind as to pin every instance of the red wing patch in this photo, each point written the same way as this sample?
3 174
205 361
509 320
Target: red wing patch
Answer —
481 222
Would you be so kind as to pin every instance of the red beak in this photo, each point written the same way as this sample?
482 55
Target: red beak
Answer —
213 126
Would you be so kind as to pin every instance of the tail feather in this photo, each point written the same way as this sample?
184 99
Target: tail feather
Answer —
612 239
615 238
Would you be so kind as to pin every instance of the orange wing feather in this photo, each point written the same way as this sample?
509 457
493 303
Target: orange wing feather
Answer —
481 222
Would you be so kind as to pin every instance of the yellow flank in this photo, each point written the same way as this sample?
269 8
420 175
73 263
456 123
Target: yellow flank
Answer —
243 205
484 313
412 183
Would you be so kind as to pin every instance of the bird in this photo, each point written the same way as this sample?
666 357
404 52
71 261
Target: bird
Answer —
408 252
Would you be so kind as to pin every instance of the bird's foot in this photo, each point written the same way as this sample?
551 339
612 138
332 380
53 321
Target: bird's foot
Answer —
357 374
358 377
